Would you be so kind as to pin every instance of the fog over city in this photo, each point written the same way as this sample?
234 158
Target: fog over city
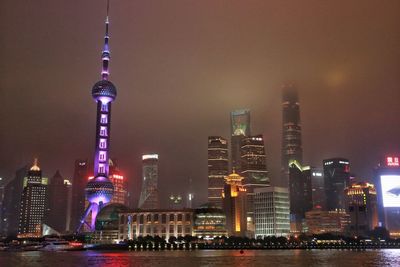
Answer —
181 67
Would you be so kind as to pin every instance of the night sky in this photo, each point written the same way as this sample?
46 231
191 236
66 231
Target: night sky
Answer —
181 66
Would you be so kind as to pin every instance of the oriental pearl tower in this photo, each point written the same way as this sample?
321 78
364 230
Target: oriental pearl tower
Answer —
99 190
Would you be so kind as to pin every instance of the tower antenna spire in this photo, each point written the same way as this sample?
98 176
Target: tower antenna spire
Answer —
105 56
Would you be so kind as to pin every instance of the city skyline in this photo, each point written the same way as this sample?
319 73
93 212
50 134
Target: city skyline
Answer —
334 100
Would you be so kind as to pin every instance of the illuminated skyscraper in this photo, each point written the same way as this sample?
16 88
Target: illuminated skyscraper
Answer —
361 205
254 171
291 129
118 180
58 203
99 190
34 202
240 128
234 205
79 181
149 194
337 178
217 168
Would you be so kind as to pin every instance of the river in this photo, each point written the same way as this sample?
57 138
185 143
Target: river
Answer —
275 258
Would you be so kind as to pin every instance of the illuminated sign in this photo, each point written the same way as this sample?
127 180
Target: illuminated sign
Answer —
150 156
392 161
319 174
391 191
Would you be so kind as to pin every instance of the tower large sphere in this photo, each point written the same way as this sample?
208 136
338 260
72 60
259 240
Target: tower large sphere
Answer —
104 89
99 189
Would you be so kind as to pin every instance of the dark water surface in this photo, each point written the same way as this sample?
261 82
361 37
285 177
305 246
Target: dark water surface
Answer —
385 257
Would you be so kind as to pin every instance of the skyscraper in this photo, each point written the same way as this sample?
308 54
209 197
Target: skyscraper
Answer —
79 181
291 129
12 203
120 185
240 128
254 161
99 190
300 192
234 205
318 187
218 166
337 178
34 202
361 205
58 203
149 194
254 171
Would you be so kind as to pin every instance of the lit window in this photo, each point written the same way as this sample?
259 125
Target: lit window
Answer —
101 168
103 143
103 131
102 156
103 119
104 107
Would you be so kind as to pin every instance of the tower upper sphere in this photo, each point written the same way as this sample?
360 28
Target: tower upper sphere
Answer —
104 90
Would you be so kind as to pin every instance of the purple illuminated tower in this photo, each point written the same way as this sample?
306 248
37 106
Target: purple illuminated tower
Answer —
99 190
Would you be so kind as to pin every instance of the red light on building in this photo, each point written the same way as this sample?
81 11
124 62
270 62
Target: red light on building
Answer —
116 176
90 177
392 161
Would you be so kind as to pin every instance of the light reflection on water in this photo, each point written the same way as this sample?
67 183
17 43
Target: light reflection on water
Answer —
387 257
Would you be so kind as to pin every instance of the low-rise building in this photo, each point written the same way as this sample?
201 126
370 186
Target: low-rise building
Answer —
155 222
320 221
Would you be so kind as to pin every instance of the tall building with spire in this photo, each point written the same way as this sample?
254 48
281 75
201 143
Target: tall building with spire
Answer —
58 203
240 128
34 201
99 190
291 130
218 168
149 194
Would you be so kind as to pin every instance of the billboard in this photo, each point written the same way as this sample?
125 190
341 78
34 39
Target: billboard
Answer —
391 191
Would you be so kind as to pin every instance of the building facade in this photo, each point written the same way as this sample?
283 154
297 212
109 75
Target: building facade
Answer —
209 222
234 205
153 222
291 129
361 205
300 191
79 181
387 181
337 178
149 198
240 128
318 187
271 212
58 203
12 203
34 203
120 185
320 221
218 166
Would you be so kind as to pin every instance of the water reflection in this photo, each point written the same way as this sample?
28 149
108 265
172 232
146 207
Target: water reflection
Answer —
275 258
